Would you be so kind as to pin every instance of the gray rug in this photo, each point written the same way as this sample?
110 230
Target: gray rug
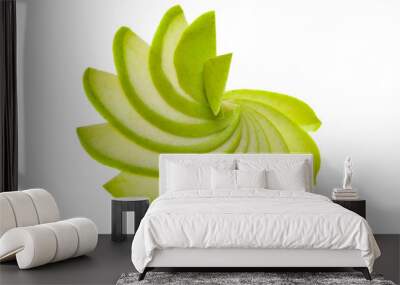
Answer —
269 278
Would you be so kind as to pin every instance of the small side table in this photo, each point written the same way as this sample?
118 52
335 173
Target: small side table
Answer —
357 206
119 207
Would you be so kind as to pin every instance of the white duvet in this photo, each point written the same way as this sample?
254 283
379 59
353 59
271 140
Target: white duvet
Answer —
250 219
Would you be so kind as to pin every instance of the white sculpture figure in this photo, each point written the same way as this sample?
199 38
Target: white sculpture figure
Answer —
348 173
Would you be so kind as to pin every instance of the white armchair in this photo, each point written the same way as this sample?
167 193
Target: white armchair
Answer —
31 230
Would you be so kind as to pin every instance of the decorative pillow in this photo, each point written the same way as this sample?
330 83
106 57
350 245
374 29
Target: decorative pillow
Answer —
181 178
223 179
251 178
293 175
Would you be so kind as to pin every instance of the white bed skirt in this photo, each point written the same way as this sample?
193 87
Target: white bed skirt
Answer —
192 257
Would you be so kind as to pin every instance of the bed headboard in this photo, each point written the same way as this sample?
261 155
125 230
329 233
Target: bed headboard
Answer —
165 158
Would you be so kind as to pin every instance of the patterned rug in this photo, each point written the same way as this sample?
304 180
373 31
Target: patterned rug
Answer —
244 278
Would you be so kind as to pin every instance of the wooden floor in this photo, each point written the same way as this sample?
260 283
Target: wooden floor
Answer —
110 260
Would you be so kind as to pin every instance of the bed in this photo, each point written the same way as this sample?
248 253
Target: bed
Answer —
245 224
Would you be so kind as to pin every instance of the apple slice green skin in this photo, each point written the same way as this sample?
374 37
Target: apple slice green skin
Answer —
295 109
196 46
215 73
253 138
106 95
244 139
297 140
277 109
232 143
129 47
163 73
106 145
263 141
275 140
129 184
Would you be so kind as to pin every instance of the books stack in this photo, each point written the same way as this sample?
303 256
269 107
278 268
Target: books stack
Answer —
344 194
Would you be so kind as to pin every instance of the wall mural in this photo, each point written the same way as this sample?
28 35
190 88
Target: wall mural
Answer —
170 97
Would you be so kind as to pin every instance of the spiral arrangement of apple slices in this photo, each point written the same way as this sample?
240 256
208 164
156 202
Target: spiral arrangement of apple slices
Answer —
170 97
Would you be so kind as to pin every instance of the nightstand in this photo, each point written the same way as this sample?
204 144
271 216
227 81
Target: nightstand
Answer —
119 207
357 206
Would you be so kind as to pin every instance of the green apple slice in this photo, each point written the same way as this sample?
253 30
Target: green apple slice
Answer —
162 67
133 185
253 139
275 140
244 139
262 139
196 46
297 140
246 125
131 60
106 145
105 93
295 109
215 75
231 144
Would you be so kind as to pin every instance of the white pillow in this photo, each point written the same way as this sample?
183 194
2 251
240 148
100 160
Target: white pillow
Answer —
251 178
294 178
181 178
293 175
223 179
174 170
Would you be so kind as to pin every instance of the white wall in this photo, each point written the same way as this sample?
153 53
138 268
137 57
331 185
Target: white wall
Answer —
342 57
